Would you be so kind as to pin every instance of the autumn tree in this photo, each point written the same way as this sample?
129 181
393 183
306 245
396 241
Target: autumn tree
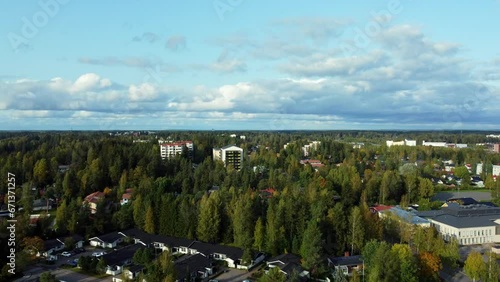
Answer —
430 265
209 219
259 235
273 275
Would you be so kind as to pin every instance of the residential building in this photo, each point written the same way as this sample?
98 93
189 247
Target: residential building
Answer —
126 197
93 199
496 170
479 168
117 261
130 273
172 149
229 155
54 246
307 149
469 224
109 240
243 137
287 263
189 268
496 148
313 163
346 264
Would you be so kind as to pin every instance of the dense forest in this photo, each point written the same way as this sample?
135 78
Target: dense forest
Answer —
306 211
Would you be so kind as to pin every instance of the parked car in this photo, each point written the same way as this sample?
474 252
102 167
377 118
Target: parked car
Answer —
98 254
66 254
72 262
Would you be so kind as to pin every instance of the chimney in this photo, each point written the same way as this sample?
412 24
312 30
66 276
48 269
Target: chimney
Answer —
346 254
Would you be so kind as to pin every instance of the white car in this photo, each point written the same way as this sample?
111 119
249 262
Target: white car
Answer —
66 254
98 254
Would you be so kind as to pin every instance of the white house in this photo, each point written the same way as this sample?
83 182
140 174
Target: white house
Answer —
109 240
496 170
434 144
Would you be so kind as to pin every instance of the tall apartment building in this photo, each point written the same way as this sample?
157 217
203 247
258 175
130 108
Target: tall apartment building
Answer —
229 155
307 149
496 170
496 148
171 149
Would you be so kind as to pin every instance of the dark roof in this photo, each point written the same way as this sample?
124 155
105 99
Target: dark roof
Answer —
189 264
287 263
208 249
459 216
285 258
347 261
51 244
463 201
134 268
75 237
152 238
122 255
109 237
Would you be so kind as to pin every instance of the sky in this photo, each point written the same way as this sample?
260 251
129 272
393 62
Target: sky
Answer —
249 65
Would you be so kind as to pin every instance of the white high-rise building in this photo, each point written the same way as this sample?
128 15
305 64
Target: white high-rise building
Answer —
171 149
229 155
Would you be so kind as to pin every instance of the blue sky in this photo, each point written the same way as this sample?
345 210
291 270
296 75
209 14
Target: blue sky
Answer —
240 64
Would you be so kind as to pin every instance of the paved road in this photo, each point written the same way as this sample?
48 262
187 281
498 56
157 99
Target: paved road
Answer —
71 276
34 271
478 196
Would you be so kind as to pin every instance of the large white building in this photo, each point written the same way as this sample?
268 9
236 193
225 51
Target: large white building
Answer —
434 144
230 155
469 224
406 142
171 149
479 168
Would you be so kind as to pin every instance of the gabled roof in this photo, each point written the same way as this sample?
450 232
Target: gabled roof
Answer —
287 263
189 264
51 244
153 238
207 249
284 259
108 237
94 197
122 255
346 260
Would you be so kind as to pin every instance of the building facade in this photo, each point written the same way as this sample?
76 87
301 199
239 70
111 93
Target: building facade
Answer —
496 170
229 155
468 224
172 149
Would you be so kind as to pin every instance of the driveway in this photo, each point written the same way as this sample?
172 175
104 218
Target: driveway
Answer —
234 275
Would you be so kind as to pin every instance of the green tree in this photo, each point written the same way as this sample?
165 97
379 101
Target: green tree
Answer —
259 235
425 188
48 277
356 230
149 222
209 218
101 266
311 247
62 215
408 263
492 268
273 275
41 172
475 267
